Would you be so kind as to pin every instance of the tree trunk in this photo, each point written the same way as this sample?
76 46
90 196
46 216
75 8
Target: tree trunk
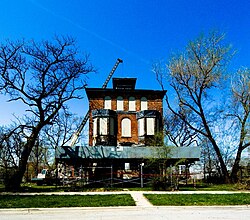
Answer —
222 163
236 166
215 146
14 179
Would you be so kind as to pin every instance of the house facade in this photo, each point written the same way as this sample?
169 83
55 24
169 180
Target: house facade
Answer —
124 115
125 135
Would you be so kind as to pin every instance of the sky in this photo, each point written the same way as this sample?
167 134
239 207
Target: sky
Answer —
140 32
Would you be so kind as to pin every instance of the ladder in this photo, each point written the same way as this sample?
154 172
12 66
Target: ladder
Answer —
76 135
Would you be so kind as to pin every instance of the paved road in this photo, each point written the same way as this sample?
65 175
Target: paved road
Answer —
134 213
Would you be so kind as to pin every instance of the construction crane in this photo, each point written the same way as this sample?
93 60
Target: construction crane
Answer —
76 135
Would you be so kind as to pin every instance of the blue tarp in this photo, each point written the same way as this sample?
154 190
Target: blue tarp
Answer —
126 152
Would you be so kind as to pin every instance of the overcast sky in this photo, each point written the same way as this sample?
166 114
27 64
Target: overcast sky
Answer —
139 32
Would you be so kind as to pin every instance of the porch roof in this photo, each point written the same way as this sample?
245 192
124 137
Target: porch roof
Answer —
127 152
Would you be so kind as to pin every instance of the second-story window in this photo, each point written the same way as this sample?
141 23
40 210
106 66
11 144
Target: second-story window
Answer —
144 103
111 126
150 126
107 102
94 127
103 126
119 103
141 131
126 127
131 104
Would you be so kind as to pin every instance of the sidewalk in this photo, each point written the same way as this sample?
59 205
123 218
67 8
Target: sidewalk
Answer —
140 199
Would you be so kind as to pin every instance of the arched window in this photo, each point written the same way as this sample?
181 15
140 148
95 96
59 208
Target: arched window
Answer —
131 104
119 103
144 103
107 102
126 127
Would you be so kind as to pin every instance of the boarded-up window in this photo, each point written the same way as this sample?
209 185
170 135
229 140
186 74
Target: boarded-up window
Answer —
112 126
119 103
95 127
144 103
131 103
150 126
103 126
107 102
141 126
126 127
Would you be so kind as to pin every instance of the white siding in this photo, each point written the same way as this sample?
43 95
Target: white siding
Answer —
131 103
126 127
119 103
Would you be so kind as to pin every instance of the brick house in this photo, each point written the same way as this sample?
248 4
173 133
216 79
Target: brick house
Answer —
125 133
123 115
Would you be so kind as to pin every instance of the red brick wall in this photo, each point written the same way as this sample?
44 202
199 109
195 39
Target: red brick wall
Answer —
154 103
134 128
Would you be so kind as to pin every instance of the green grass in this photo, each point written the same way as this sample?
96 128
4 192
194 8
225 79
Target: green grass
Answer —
199 199
57 201
211 187
31 187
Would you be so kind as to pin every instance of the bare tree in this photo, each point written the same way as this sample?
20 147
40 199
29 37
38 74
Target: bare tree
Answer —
178 132
56 136
44 77
195 76
240 114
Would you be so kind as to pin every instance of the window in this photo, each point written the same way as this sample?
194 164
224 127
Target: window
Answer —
127 166
126 127
141 127
107 102
144 103
112 126
94 127
119 103
103 126
131 103
150 126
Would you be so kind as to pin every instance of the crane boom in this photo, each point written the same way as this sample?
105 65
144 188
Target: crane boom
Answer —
111 73
76 135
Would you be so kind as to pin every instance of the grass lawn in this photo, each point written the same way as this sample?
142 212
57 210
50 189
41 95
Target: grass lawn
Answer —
31 187
198 199
211 187
57 201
